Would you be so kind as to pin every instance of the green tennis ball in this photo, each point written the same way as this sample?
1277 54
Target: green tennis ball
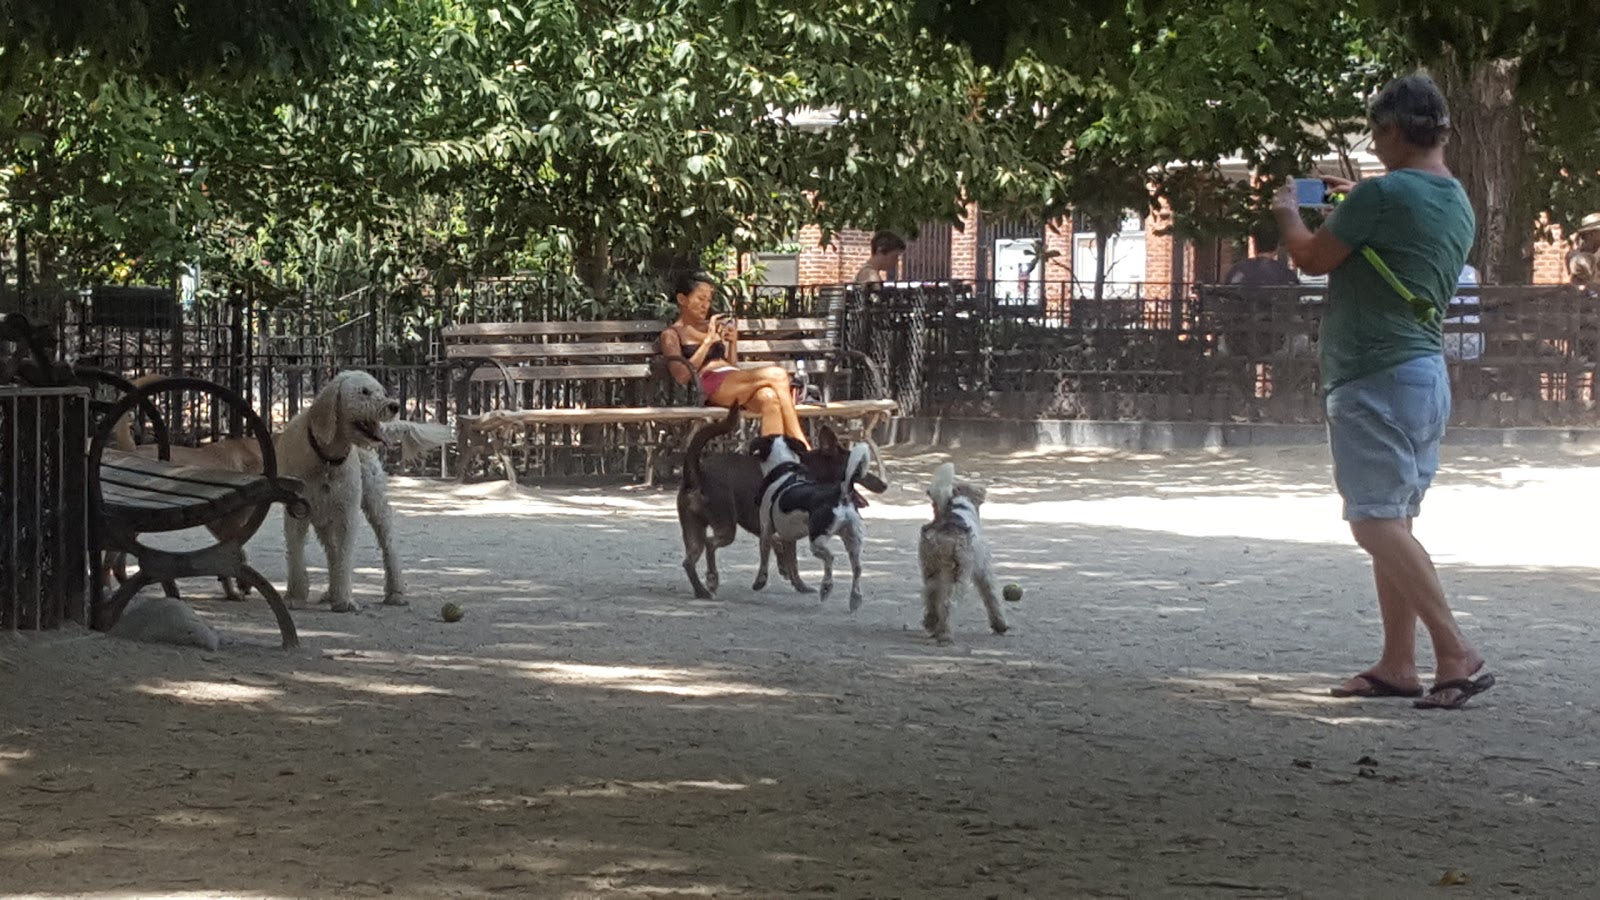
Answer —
451 612
1012 592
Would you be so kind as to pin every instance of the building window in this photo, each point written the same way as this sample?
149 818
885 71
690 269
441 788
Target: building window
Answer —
1124 258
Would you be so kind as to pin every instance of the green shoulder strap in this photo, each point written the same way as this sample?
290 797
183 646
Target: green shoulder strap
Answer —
1425 312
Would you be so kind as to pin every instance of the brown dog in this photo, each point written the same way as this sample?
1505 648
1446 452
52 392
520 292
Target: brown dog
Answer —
722 493
229 454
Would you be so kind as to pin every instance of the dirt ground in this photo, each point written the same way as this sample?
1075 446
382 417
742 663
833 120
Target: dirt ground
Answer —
1156 724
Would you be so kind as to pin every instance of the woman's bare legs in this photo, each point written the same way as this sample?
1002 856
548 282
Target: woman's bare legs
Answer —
764 391
765 402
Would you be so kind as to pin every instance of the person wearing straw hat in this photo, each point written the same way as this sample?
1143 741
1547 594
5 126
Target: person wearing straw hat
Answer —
1583 260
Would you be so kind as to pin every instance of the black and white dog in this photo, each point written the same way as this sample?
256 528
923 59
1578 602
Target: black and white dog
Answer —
795 506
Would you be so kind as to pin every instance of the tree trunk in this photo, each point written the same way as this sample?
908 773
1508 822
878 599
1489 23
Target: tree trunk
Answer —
22 265
1102 240
593 265
1488 151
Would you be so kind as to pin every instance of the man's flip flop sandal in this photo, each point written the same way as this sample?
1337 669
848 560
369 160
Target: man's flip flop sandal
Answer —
1377 687
1466 687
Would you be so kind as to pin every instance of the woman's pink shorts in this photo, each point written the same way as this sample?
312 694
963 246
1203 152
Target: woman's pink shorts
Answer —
711 380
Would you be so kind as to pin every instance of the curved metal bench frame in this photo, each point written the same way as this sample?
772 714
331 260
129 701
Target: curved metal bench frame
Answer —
225 558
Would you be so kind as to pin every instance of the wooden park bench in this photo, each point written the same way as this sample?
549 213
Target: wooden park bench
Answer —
1538 353
131 495
532 377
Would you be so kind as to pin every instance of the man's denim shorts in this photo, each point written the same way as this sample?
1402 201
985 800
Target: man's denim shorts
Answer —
1384 430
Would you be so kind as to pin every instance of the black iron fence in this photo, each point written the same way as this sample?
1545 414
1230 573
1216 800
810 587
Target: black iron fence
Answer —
1014 349
43 507
1518 356
279 354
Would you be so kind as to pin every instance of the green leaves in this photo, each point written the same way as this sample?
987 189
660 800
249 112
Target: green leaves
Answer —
207 43
447 136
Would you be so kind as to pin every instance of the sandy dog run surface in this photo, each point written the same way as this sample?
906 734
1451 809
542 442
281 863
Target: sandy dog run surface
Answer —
1156 724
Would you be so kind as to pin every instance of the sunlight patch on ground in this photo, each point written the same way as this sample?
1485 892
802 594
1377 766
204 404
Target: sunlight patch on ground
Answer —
1355 721
627 788
308 719
1464 523
194 819
1495 525
1013 565
208 691
679 682
501 498
698 889
387 689
549 626
1458 523
641 679
1303 695
145 894
269 629
10 758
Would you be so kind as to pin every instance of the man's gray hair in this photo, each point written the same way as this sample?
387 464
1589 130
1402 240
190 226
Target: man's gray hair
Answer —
1416 106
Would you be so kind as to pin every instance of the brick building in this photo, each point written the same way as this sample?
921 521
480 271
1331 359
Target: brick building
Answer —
1139 258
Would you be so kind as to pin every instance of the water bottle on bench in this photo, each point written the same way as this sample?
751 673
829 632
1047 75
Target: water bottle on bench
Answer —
804 390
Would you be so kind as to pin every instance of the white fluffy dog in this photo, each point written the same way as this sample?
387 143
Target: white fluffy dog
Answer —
953 551
332 448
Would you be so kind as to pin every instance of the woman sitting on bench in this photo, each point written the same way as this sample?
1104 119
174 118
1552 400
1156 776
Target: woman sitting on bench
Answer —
705 348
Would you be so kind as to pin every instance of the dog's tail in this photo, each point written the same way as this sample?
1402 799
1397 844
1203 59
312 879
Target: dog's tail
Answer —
122 432
697 446
417 439
855 467
943 487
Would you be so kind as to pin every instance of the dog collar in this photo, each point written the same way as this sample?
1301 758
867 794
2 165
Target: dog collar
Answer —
316 447
778 472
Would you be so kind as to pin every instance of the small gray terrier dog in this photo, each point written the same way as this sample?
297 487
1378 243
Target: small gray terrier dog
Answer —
952 551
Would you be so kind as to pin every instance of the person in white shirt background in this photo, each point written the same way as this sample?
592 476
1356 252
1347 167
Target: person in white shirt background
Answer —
1464 344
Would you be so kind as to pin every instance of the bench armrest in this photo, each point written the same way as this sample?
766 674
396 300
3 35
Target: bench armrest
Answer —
469 365
139 397
857 357
91 377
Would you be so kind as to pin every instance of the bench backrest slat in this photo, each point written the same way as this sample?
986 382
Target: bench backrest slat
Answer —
591 372
500 331
622 350
747 348
576 372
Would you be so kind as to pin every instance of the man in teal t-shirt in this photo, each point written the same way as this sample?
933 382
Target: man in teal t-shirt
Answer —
1421 226
1383 368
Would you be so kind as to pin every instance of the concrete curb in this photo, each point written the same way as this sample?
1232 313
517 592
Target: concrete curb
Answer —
1014 434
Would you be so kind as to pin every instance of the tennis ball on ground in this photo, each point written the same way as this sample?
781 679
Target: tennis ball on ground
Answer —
451 612
1012 592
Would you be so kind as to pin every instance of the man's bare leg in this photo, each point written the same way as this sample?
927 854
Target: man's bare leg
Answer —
1403 563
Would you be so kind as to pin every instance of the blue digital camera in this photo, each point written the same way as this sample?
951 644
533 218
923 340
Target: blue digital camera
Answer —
1311 192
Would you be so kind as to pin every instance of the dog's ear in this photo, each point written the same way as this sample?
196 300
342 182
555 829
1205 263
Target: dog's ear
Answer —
973 492
325 415
827 441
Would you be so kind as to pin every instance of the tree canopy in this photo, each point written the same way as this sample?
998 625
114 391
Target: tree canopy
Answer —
343 142
171 40
1520 75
